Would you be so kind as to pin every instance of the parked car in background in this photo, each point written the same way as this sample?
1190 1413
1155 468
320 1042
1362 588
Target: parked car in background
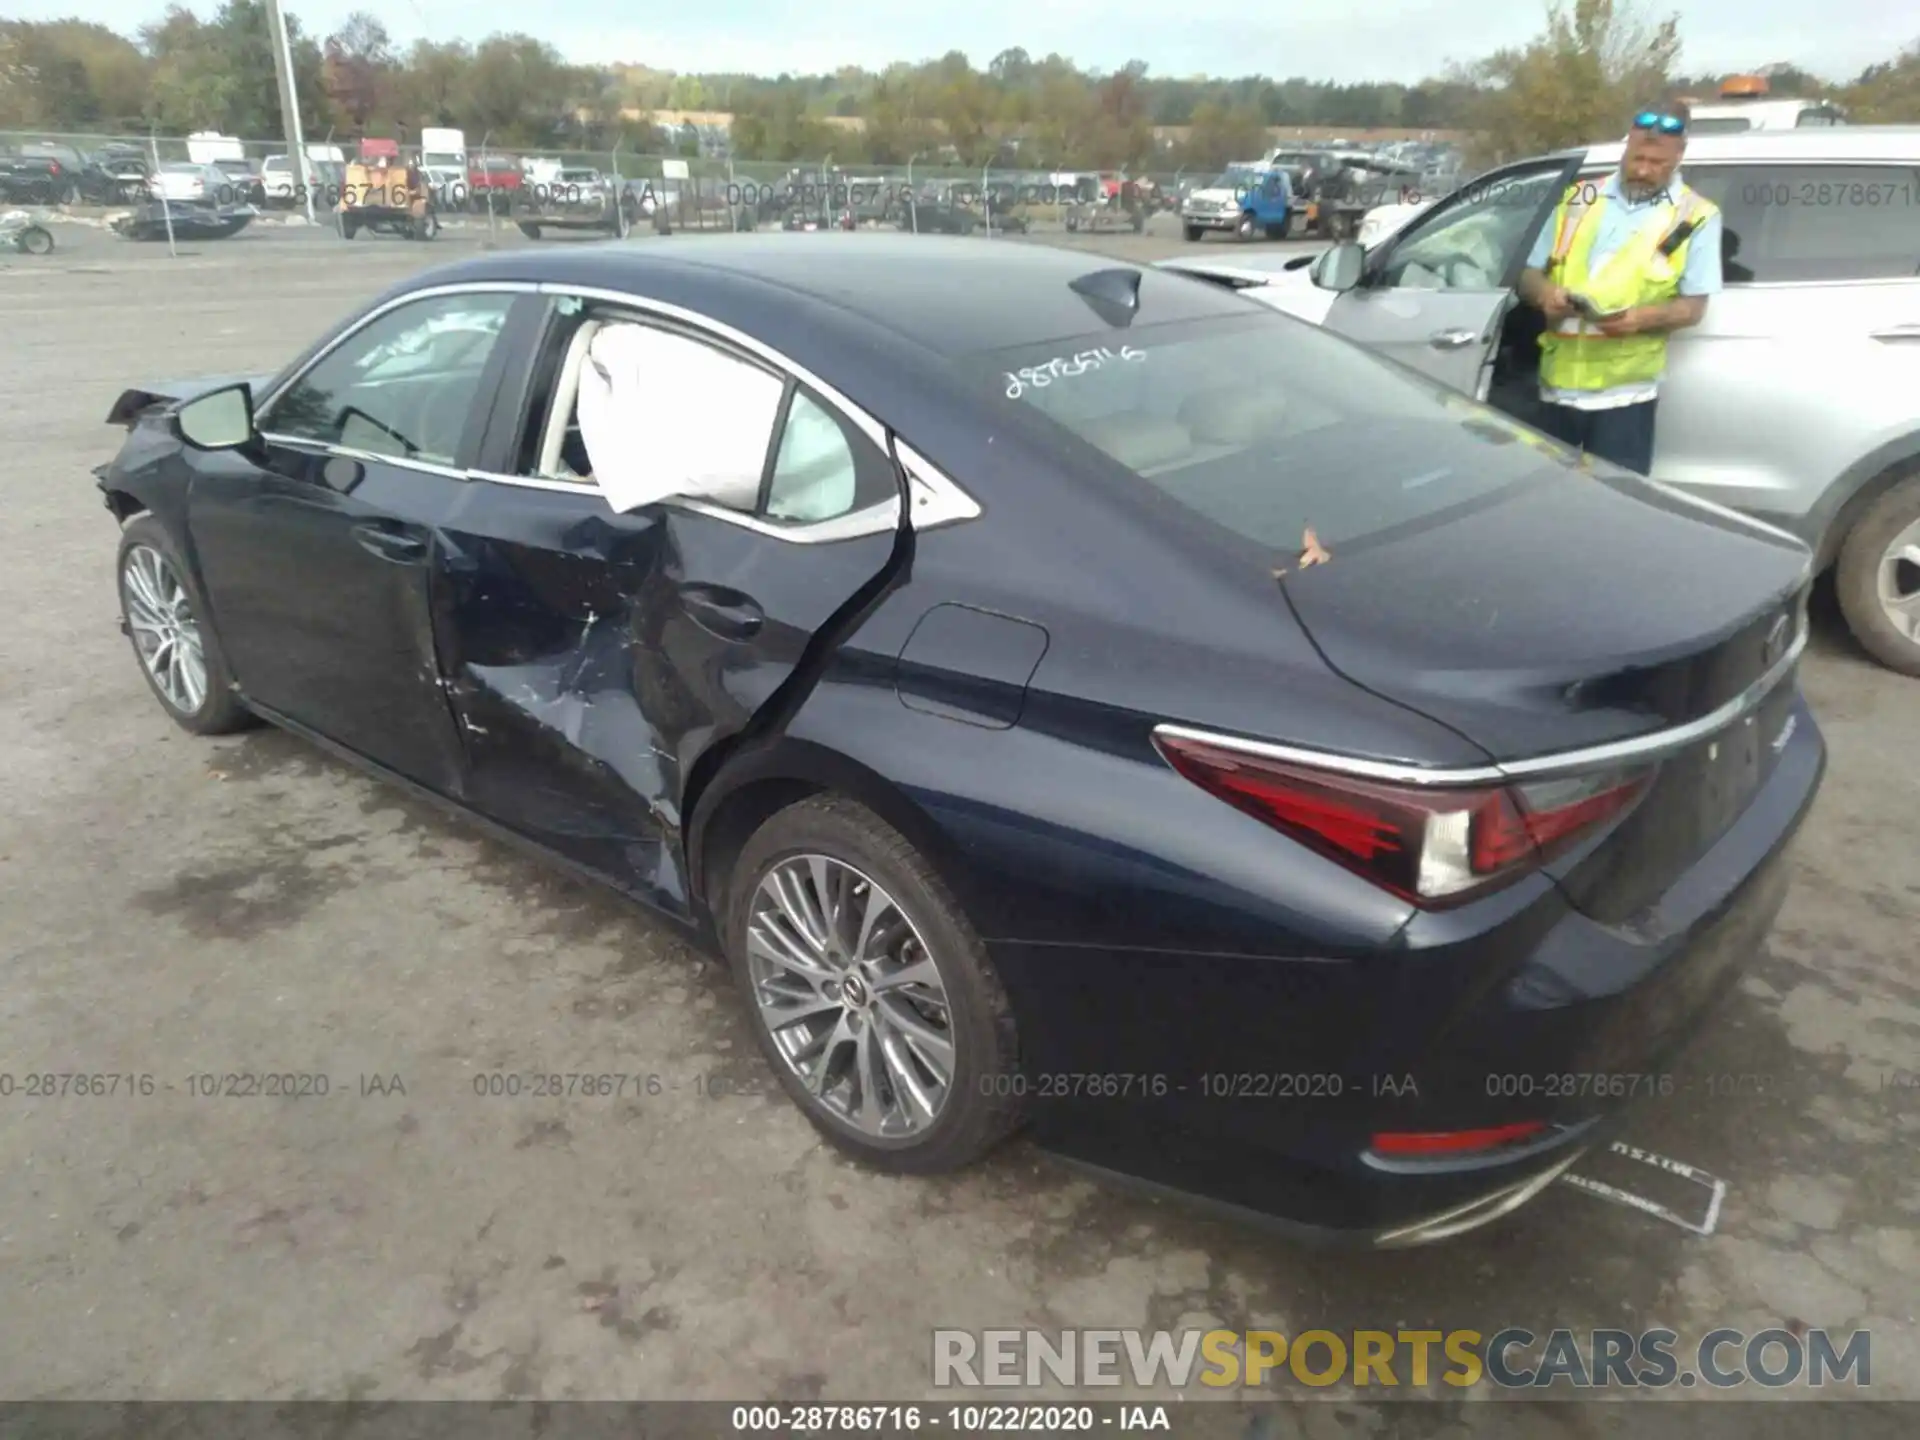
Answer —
116 172
1797 398
1431 757
577 198
244 179
185 180
937 210
38 180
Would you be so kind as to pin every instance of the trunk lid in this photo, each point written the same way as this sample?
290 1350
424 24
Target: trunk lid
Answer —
1587 613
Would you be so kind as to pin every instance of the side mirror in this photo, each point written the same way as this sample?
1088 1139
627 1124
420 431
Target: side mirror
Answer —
1341 267
219 420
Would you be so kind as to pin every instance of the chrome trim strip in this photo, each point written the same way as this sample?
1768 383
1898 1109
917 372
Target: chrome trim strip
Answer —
880 519
1475 1213
365 457
1640 747
426 292
536 482
877 519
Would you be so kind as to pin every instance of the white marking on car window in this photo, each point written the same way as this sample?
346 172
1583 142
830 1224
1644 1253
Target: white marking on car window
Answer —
1062 367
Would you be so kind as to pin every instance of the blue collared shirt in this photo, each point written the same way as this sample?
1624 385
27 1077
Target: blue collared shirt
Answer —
1620 219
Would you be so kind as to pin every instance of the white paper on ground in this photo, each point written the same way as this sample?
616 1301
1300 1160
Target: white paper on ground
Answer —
662 415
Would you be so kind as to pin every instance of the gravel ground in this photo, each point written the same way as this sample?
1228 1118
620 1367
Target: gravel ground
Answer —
174 906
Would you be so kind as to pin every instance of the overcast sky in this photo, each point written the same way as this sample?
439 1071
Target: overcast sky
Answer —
1340 40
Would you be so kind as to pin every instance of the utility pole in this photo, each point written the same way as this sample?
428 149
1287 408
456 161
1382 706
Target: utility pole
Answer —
290 103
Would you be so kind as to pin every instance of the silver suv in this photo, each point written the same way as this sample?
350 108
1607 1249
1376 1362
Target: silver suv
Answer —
1796 400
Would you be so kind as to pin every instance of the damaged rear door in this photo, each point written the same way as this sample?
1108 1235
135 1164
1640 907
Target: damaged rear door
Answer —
601 629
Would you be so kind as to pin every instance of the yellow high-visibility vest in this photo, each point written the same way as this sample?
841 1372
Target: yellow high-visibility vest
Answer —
1575 355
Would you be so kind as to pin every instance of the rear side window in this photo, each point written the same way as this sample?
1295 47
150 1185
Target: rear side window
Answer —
1815 222
1266 426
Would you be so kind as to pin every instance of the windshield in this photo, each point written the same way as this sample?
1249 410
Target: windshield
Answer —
1266 426
442 157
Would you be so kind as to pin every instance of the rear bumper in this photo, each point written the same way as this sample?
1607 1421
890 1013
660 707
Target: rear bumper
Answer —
1256 1083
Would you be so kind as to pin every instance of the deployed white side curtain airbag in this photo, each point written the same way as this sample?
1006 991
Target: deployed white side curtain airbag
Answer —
662 415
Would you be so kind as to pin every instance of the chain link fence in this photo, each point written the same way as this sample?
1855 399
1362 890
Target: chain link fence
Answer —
664 192
502 185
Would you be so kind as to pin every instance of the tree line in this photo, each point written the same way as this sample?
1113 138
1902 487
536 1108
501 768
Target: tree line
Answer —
1592 62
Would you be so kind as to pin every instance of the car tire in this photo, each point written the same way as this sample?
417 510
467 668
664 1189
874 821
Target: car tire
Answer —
1869 571
837 838
532 232
36 240
156 588
1194 234
622 223
347 227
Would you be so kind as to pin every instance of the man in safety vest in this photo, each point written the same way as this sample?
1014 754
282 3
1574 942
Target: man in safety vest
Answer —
1620 267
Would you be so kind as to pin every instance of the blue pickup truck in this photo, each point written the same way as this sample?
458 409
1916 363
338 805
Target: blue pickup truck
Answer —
1244 200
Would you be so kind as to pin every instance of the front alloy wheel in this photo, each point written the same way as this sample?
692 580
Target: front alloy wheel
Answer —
851 996
165 632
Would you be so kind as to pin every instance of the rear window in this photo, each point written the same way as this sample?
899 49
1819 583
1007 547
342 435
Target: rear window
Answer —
1266 426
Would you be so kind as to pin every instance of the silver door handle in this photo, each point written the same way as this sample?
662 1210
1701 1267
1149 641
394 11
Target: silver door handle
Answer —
1452 339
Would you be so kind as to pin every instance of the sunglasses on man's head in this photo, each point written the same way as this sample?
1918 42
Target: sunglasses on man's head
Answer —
1665 124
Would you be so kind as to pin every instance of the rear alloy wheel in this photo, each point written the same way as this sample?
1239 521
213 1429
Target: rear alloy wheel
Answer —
1246 230
36 240
872 997
161 615
1878 578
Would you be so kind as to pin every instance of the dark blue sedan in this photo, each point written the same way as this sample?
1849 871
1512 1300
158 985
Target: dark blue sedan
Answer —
1066 693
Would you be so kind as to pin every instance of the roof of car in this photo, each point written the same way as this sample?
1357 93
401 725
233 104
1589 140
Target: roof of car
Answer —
955 296
1816 142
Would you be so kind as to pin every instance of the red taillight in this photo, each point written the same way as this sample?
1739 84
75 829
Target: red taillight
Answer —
1454 1142
53 166
1433 845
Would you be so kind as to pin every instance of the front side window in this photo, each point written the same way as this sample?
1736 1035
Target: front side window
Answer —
1267 426
1786 223
1472 242
403 385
